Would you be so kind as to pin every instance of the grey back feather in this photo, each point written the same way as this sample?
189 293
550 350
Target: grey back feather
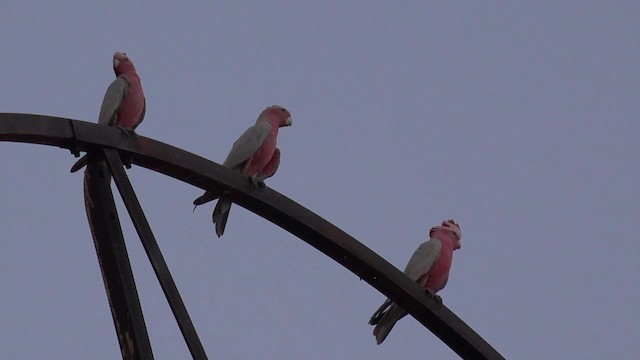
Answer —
116 91
423 259
247 144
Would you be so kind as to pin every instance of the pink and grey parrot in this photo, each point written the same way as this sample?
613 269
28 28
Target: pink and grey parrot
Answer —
124 104
429 266
254 154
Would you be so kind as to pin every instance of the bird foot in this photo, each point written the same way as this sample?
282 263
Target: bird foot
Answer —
126 132
126 161
436 298
257 184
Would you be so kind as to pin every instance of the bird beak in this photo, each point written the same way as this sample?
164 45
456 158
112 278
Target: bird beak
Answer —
116 62
289 121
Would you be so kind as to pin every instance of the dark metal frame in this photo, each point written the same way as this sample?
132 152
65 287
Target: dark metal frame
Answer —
106 146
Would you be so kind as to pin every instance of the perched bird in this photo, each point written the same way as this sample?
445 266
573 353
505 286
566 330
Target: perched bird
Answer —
254 154
429 266
124 104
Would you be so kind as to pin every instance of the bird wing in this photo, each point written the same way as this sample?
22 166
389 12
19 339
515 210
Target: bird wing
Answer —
423 259
247 144
420 263
116 91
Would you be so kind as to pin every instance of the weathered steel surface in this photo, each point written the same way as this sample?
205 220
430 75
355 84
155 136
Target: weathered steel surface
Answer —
154 254
114 262
265 202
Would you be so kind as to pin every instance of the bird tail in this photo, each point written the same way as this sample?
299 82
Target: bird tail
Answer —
386 323
205 198
80 163
375 318
221 214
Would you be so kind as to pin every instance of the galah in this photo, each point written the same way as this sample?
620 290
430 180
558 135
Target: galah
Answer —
124 104
429 266
254 154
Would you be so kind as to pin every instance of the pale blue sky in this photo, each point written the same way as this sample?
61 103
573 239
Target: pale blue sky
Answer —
519 120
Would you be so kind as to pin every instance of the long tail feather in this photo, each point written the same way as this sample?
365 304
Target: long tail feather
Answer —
80 164
387 322
220 215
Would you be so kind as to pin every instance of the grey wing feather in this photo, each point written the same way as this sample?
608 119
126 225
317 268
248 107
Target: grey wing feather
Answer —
247 144
420 263
112 101
423 259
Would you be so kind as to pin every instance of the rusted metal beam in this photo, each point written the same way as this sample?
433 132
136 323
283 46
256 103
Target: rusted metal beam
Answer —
269 204
154 254
114 262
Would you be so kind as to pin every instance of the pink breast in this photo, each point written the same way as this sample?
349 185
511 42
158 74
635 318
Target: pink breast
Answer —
132 105
439 272
262 157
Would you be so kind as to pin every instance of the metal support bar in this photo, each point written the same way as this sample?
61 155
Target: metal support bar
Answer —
265 202
114 262
155 255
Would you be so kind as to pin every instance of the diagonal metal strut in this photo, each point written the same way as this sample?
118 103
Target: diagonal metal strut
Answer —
154 254
114 262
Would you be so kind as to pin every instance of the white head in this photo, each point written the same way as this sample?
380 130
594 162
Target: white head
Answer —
276 114
122 63
450 225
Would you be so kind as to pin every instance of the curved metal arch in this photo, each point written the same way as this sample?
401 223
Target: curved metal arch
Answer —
78 136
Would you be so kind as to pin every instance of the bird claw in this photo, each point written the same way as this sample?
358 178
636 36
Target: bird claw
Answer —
257 184
126 132
436 298
126 161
